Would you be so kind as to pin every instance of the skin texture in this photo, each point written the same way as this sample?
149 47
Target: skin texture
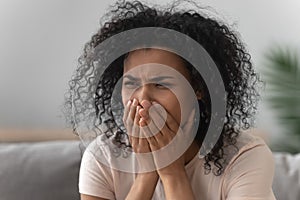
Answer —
154 92
137 114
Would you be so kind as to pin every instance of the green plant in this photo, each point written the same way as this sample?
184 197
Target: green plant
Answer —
282 76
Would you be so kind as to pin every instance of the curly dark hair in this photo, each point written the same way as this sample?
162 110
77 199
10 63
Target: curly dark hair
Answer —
222 44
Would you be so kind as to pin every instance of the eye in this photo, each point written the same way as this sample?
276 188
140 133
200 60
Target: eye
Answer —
130 84
162 85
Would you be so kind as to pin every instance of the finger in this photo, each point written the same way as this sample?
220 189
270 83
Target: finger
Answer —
134 143
164 136
130 139
158 118
144 111
125 115
169 124
163 120
145 129
153 143
147 135
126 111
139 145
145 118
161 133
131 114
143 142
137 116
135 127
146 104
151 129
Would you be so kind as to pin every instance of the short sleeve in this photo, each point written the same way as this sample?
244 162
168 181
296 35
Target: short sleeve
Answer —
250 175
94 178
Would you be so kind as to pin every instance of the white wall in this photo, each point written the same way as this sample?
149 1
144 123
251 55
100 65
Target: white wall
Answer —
41 40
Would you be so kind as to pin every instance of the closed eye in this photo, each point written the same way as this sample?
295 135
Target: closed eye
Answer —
130 84
163 85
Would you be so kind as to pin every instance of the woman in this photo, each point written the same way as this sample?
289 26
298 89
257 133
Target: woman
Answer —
153 89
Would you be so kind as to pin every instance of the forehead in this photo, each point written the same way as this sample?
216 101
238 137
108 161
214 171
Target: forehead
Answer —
155 57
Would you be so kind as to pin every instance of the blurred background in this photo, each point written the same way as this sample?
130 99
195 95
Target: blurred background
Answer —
41 41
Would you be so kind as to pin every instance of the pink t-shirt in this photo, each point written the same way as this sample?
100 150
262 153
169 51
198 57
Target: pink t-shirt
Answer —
248 175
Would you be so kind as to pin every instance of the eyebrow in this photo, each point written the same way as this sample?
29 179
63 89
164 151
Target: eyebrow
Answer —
130 77
158 78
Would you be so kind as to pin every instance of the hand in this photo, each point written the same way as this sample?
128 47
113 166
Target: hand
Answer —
161 131
131 121
174 178
151 132
139 143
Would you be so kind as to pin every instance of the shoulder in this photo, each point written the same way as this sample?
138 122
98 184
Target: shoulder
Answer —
250 169
95 178
96 155
94 160
248 145
250 155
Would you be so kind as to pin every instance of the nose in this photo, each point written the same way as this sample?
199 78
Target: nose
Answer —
143 93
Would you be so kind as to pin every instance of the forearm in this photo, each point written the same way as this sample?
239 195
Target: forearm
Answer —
177 186
143 186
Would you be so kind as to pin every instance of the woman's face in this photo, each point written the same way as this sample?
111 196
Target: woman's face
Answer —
152 74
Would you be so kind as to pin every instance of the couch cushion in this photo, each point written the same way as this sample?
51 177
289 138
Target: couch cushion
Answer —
286 184
39 171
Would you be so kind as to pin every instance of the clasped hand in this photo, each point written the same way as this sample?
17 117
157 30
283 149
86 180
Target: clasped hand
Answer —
150 128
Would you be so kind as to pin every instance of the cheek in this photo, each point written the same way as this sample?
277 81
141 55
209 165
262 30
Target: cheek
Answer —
125 96
172 106
177 112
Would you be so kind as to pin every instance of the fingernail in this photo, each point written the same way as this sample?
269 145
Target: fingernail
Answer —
138 108
135 103
128 103
146 104
143 114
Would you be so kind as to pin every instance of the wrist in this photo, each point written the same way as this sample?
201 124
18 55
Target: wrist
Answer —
177 186
148 176
143 186
172 175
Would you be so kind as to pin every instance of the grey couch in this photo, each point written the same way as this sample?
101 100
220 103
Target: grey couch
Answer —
39 170
49 171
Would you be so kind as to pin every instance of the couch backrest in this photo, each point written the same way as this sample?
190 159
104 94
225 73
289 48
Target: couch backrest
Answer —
49 171
39 171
